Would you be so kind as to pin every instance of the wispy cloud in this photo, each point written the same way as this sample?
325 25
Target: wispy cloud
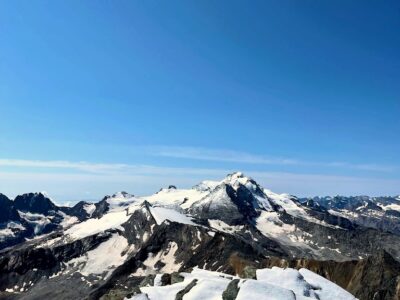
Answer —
219 155
62 164
102 168
193 153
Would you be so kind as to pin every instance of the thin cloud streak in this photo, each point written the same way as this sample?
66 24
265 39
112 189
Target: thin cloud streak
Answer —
191 153
62 164
249 158
100 168
219 155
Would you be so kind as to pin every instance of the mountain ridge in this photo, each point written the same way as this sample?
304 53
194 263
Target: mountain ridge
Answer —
173 230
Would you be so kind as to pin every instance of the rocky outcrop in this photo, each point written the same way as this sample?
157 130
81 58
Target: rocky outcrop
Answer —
35 203
231 290
30 263
7 210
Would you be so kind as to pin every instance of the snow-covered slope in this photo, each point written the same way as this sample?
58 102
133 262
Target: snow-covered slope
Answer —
114 247
271 284
236 205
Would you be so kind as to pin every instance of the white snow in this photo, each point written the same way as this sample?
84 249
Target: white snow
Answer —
68 220
286 278
390 207
167 257
161 214
157 280
89 208
10 229
38 220
271 226
206 185
167 292
271 284
325 289
214 200
210 285
183 198
222 226
113 219
253 289
121 199
105 258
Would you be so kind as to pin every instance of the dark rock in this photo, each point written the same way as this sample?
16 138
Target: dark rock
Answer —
7 210
35 203
180 294
101 208
249 272
176 277
231 290
148 281
165 279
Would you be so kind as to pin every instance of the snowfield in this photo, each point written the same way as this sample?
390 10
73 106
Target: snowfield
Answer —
161 214
271 284
103 259
111 220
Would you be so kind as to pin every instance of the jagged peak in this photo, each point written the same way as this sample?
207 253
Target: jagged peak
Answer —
36 196
4 197
170 187
118 195
235 175
122 194
238 178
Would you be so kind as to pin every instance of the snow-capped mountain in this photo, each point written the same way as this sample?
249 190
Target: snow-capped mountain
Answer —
382 213
30 215
113 249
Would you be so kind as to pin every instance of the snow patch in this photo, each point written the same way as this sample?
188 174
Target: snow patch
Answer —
272 284
222 226
89 208
167 257
113 219
105 258
161 214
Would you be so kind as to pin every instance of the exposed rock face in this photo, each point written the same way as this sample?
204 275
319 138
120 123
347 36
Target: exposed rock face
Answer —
7 210
25 217
233 226
218 205
231 290
140 226
180 294
376 277
28 265
101 208
34 203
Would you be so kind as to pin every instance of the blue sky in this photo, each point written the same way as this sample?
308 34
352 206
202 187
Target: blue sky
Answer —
101 96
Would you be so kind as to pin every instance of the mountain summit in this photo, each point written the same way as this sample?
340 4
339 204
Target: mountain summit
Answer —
116 247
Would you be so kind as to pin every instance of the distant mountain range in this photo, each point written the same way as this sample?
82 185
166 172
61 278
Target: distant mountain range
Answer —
117 247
